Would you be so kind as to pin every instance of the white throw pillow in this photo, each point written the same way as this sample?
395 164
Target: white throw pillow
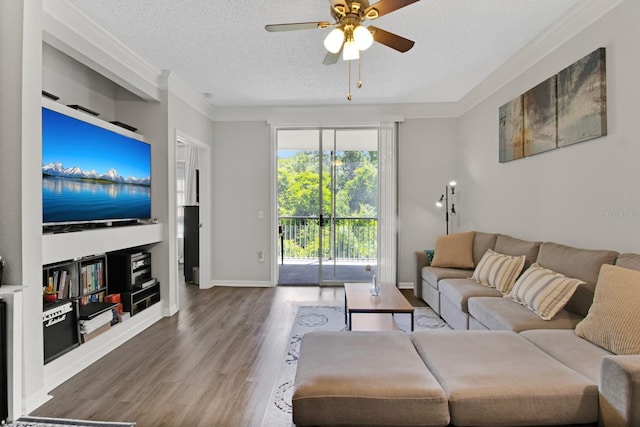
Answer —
544 291
498 270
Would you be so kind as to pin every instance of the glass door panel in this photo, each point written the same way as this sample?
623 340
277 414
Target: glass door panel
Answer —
298 181
354 209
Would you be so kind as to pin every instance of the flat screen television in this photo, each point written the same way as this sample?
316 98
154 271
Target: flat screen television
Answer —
92 171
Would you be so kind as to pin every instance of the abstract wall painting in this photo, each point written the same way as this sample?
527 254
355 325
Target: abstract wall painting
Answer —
540 132
582 100
512 130
567 108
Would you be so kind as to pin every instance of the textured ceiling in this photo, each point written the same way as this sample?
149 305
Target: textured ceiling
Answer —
221 48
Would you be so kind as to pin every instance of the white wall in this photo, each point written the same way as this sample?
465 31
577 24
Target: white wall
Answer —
241 187
584 195
427 161
75 83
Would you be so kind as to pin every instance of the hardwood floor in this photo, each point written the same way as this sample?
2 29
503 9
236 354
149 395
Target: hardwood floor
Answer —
214 363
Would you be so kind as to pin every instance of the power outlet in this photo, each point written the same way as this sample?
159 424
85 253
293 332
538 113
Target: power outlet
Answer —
260 255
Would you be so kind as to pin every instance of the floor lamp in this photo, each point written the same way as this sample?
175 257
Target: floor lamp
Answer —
443 201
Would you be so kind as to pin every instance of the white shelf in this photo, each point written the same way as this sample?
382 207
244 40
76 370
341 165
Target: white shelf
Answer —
10 289
65 246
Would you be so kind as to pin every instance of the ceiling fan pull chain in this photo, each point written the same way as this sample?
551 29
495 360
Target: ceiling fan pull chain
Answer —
359 78
349 94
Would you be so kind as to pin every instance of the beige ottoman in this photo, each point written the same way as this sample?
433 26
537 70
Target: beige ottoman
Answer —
497 378
365 378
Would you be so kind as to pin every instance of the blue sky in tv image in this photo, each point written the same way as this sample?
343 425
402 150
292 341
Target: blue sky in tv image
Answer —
76 144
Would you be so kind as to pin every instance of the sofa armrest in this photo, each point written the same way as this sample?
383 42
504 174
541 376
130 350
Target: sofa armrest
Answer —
420 260
620 391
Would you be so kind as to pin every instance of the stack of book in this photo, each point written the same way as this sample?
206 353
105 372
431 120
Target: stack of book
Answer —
96 318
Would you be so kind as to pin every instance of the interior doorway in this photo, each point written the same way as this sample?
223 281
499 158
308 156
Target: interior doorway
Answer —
193 210
327 203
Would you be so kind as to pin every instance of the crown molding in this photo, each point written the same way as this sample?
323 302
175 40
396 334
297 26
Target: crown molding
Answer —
335 114
76 34
580 17
177 87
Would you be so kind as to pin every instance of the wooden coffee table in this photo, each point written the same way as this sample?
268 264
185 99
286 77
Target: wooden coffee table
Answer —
374 313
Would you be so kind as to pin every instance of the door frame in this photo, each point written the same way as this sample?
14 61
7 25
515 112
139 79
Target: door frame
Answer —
204 166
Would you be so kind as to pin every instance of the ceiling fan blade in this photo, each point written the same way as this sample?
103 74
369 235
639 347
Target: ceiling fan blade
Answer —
296 26
387 6
332 58
394 41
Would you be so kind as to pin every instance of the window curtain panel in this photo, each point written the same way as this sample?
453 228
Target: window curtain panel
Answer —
190 166
388 202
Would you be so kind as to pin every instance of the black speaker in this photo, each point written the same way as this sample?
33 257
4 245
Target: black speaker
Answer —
197 185
191 241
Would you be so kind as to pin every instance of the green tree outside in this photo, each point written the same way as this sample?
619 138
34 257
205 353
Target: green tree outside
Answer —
356 176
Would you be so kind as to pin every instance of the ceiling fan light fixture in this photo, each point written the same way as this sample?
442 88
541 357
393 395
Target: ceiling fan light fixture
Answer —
350 51
333 41
362 37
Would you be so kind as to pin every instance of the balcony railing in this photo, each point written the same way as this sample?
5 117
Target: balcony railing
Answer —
354 238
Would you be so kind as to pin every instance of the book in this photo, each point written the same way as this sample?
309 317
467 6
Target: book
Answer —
62 284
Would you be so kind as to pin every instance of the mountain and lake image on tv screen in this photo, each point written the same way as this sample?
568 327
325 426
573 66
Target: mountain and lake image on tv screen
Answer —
92 174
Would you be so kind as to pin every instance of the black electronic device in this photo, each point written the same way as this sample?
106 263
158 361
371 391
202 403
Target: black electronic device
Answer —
60 328
129 270
94 173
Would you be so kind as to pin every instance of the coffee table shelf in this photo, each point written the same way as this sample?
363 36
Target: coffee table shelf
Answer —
379 310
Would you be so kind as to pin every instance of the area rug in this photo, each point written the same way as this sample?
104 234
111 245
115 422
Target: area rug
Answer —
54 422
324 318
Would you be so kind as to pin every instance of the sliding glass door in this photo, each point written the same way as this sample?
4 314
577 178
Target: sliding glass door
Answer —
327 205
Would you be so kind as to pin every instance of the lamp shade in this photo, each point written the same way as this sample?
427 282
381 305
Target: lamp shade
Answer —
363 38
350 51
333 41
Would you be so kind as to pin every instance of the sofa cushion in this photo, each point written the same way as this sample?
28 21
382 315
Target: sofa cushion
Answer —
356 378
505 314
454 250
583 264
497 378
458 291
481 243
631 261
498 271
564 345
511 246
613 322
543 291
433 275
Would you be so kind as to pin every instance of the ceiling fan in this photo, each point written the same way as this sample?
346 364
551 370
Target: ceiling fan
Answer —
349 36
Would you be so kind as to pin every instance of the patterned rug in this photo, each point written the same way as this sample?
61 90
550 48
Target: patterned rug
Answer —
54 422
323 318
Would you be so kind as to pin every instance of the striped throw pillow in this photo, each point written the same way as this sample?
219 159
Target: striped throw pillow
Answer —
543 291
498 271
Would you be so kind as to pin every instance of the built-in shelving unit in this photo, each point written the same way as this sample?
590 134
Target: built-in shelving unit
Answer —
65 246
87 249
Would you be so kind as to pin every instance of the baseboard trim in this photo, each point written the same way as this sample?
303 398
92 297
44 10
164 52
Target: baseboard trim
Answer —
405 285
243 283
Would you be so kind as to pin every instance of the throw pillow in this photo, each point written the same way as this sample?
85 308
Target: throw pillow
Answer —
613 322
454 251
498 270
544 291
